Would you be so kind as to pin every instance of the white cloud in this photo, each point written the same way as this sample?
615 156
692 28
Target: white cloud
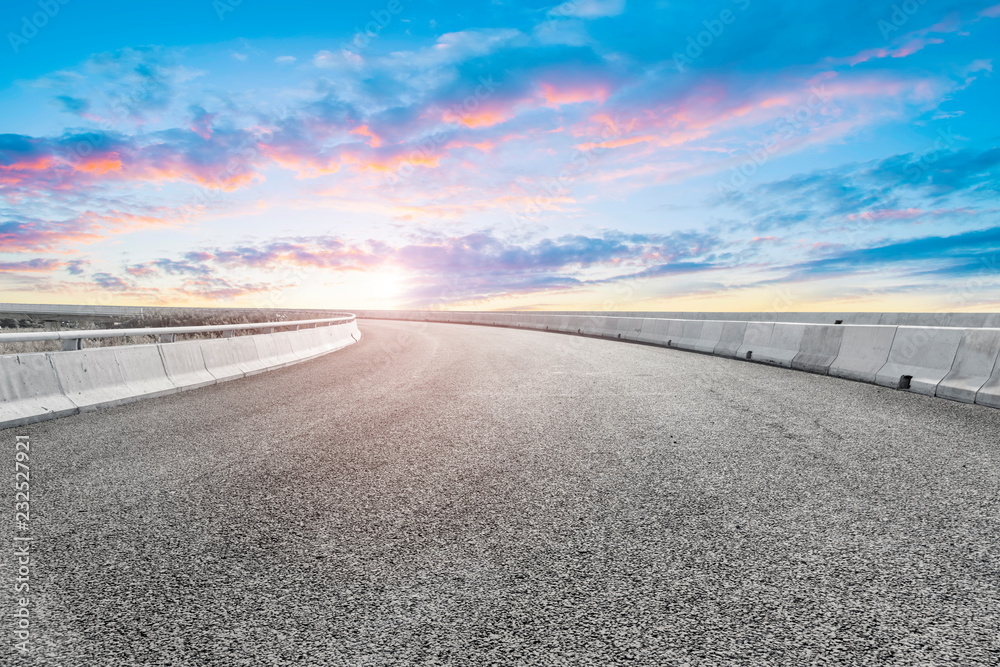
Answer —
285 60
570 32
589 9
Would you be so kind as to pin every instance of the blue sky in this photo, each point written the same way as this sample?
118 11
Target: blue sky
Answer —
595 154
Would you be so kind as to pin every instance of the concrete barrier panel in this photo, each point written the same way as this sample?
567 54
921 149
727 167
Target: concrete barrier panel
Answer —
731 339
267 349
91 378
755 339
593 325
633 325
783 345
30 391
660 329
864 349
307 343
564 324
143 370
923 354
711 334
246 356
819 348
973 366
989 394
185 364
672 332
221 359
286 343
609 327
690 334
648 331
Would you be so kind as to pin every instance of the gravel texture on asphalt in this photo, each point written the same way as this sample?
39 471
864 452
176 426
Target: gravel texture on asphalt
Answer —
456 495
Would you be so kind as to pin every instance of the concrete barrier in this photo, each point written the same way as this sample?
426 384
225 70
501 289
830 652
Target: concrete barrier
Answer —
185 364
142 368
989 393
30 391
711 334
609 327
864 350
91 378
35 387
731 339
630 327
974 363
921 356
651 331
246 356
221 360
659 334
780 346
267 349
690 334
593 325
283 344
952 355
819 348
755 338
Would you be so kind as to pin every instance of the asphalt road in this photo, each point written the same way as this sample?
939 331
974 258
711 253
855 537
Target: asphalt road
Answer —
446 494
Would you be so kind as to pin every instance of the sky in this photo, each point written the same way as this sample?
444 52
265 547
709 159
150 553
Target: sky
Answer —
722 155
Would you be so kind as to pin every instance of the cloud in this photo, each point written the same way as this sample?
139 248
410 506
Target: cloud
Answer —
111 283
37 265
589 9
130 84
968 254
873 191
28 235
478 265
215 159
73 105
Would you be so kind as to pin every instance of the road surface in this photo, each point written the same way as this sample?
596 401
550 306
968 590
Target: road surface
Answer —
455 495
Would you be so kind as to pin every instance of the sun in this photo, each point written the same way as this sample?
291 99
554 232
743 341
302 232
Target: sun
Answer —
387 284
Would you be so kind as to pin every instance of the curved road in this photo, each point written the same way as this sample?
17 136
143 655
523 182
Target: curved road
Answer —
452 495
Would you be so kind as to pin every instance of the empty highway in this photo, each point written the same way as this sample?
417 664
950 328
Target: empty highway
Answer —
455 495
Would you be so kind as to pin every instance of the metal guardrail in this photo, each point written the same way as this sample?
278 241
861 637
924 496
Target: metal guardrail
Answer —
73 340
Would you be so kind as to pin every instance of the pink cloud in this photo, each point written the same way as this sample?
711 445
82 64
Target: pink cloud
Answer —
373 139
554 96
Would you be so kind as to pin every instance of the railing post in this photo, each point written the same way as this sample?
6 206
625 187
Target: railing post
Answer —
72 344
229 333
166 338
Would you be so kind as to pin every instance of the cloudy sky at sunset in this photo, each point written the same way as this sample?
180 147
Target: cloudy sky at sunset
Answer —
599 154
